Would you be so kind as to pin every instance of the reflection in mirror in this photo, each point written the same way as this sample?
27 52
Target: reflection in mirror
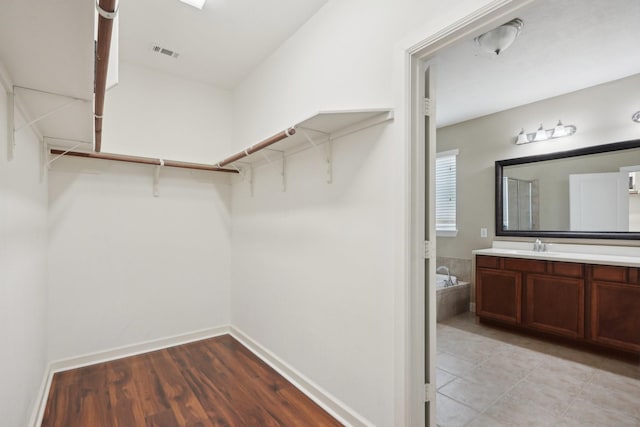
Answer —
590 192
521 206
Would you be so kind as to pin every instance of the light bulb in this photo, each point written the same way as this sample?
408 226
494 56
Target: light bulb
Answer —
559 130
541 134
522 138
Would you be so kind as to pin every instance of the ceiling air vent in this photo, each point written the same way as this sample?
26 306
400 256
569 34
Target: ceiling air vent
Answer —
164 51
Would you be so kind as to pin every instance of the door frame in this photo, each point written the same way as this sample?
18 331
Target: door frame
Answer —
420 352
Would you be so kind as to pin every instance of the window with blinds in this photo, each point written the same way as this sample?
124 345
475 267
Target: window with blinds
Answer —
446 193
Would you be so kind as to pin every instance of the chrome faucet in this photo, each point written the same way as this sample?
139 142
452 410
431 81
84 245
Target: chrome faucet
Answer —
538 246
448 282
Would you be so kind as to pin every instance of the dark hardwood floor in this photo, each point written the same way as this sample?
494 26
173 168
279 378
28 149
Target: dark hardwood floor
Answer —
213 382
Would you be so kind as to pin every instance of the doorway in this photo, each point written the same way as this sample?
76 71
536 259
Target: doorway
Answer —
423 66
421 307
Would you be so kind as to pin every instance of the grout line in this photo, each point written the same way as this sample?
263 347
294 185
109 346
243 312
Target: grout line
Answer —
595 365
580 390
507 391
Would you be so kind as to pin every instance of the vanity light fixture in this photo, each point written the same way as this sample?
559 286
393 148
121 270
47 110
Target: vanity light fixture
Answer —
198 4
500 38
543 134
636 117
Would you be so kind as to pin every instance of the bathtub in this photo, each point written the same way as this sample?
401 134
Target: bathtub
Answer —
451 300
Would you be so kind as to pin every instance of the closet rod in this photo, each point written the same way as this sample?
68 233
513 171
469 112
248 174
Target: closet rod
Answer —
107 12
143 160
257 147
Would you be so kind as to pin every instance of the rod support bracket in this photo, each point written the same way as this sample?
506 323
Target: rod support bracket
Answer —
105 13
156 179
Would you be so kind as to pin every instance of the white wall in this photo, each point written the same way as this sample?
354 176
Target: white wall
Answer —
159 115
312 270
348 55
319 271
23 209
602 115
126 267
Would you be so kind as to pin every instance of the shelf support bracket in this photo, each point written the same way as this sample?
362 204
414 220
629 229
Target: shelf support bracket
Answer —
11 131
246 173
44 157
328 152
283 168
11 114
156 179
251 179
329 160
50 113
48 164
284 172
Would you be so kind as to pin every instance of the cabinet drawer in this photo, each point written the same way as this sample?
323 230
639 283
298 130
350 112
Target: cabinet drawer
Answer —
610 273
487 261
569 269
525 265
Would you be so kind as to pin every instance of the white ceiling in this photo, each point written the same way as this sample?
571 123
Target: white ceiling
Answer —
48 45
565 45
219 45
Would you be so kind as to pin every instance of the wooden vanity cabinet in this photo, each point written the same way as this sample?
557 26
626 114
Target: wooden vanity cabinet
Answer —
555 304
589 303
615 307
499 295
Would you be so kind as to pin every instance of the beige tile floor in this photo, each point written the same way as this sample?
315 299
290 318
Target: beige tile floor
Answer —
490 377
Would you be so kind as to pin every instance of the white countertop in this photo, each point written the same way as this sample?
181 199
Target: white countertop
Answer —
589 254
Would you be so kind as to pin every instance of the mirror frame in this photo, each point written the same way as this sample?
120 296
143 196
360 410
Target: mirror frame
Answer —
605 148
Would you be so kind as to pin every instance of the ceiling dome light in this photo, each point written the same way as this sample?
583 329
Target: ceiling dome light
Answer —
636 117
499 39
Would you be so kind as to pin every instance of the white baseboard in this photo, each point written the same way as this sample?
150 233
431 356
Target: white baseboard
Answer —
472 307
324 399
132 350
113 354
41 398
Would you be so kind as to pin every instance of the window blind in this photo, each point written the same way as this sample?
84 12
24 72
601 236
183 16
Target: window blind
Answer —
446 191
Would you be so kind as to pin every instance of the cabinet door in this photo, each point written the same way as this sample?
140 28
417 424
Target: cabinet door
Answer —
555 304
615 315
499 294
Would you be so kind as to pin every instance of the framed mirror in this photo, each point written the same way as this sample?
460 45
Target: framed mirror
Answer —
589 193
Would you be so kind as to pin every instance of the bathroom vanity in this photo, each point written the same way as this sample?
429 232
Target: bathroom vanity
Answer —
586 297
587 293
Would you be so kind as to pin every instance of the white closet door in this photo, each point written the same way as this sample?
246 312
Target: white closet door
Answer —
599 201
